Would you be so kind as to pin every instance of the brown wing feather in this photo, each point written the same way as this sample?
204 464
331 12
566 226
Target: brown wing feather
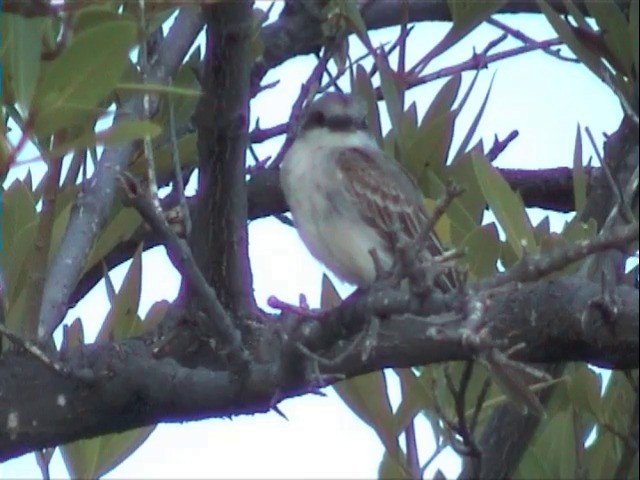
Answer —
389 199
384 203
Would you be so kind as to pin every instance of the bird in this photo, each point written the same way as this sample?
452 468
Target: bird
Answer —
348 199
350 202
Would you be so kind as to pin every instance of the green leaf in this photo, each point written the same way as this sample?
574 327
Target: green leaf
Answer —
123 131
615 30
443 101
187 151
634 34
19 225
155 88
351 9
584 391
120 229
184 93
433 139
367 396
154 316
409 127
551 454
329 296
363 88
16 315
59 228
585 53
126 131
533 465
618 400
467 15
618 403
415 397
601 456
506 205
482 250
392 98
579 175
121 321
93 15
5 153
476 121
108 284
577 231
460 218
95 457
559 437
391 469
428 153
21 49
472 200
72 336
82 76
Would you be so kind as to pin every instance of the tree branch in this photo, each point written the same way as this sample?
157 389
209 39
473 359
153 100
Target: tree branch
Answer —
297 34
549 317
92 207
508 432
551 189
219 239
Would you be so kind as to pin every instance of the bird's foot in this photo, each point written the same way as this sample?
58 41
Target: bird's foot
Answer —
301 309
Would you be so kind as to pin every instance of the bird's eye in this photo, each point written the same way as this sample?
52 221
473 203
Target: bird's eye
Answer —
318 119
313 120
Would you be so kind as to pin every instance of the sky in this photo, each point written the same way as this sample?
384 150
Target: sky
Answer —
541 97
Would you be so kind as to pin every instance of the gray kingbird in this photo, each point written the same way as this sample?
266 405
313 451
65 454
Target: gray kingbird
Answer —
346 196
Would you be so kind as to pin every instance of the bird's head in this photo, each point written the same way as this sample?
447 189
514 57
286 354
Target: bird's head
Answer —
334 111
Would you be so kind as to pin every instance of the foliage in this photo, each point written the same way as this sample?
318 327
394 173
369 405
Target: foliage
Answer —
61 80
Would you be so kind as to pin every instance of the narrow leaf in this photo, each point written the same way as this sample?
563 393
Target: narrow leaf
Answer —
579 175
21 47
506 205
81 76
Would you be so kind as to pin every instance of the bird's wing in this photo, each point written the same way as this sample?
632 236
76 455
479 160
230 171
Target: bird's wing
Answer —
387 199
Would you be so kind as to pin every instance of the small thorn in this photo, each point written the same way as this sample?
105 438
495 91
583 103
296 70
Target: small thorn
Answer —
276 409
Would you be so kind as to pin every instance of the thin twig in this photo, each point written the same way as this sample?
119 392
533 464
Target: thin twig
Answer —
499 146
35 351
259 135
307 92
218 318
474 63
177 171
533 267
411 443
518 35
38 264
152 182
482 397
622 206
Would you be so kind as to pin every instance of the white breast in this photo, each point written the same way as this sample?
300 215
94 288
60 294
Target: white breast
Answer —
327 220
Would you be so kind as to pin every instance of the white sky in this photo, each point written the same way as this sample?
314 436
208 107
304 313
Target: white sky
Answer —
541 97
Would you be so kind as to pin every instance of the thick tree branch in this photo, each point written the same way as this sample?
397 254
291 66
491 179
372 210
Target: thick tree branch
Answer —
508 432
555 319
219 237
297 34
551 189
92 207
219 325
